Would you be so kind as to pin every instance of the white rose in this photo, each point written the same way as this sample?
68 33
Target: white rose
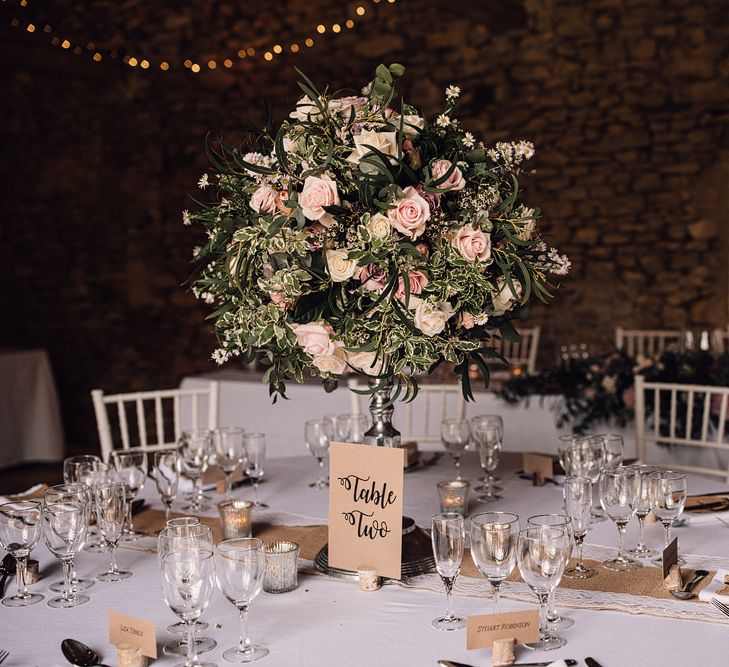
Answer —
340 267
366 362
290 145
411 123
335 363
305 109
431 318
385 142
505 298
379 226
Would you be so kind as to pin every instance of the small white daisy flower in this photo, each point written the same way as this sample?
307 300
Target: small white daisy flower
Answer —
196 250
443 120
452 92
186 220
468 140
203 182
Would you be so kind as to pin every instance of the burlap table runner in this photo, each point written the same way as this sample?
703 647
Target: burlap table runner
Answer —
36 494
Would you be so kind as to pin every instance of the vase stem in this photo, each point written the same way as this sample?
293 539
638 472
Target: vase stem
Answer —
382 433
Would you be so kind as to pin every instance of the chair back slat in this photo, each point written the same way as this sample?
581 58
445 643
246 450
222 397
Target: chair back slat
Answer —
159 421
647 343
141 424
520 354
121 411
176 408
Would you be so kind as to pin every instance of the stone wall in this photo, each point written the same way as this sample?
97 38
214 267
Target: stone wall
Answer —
627 102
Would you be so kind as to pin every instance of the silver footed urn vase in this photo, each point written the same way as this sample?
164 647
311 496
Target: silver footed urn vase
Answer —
382 433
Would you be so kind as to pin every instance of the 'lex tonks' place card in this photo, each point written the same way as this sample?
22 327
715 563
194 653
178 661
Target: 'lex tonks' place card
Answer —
135 631
365 508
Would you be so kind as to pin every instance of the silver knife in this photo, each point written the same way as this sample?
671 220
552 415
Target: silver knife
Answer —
453 663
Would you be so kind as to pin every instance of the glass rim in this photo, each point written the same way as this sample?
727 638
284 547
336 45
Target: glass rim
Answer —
195 530
447 516
183 521
524 532
567 520
454 484
253 434
78 458
477 519
618 471
33 505
233 504
229 429
577 478
660 473
240 543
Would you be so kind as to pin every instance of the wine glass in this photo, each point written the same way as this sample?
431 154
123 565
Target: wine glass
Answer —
455 435
74 467
584 458
668 496
487 438
489 479
102 473
110 513
542 553
619 496
554 620
351 428
65 523
255 444
20 530
643 510
194 448
240 567
229 452
493 547
577 493
318 437
448 537
187 585
167 477
614 449
131 468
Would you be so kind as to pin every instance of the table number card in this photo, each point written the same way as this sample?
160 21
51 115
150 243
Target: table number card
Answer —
135 631
365 508
541 466
483 631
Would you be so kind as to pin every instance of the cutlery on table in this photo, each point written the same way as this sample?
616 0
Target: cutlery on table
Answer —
685 592
720 606
7 567
77 653
568 661
3 655
591 662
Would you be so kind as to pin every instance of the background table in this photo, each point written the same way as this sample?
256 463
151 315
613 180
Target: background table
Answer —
329 622
30 419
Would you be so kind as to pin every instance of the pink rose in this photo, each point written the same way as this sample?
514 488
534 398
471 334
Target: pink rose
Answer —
418 282
279 300
467 320
318 193
455 181
264 200
410 214
373 277
472 243
314 339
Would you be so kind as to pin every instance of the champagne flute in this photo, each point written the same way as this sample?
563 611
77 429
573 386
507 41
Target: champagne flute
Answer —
542 552
187 586
317 433
454 433
65 522
351 428
619 496
167 477
448 536
240 567
131 468
110 513
493 548
20 530
487 438
102 473
489 479
554 620
255 444
194 448
668 496
643 510
577 493
229 452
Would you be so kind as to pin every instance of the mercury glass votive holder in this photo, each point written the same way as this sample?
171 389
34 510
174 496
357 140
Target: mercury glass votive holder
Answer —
282 568
454 496
235 516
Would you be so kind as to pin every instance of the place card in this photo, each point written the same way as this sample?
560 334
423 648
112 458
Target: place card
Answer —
135 631
669 558
482 631
365 508
539 466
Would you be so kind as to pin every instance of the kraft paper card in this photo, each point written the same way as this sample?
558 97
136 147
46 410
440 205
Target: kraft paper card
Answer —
483 631
541 465
135 631
365 508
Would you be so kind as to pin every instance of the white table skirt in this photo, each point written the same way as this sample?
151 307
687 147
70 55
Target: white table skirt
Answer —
330 623
30 419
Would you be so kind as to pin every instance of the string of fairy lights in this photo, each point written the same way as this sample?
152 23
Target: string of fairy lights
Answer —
135 60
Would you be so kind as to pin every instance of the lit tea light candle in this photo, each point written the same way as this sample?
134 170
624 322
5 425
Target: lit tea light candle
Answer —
235 516
454 496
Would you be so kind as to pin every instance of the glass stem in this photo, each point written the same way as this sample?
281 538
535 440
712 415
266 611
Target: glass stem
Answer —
457 465
621 541
197 492
448 583
543 628
552 614
128 525
67 587
245 643
641 533
579 542
228 484
496 586
668 532
191 644
113 566
168 509
320 471
21 563
255 492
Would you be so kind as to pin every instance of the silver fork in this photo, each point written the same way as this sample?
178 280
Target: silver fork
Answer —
724 609
3 656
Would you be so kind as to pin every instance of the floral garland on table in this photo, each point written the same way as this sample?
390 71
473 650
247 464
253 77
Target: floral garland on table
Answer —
360 237
601 389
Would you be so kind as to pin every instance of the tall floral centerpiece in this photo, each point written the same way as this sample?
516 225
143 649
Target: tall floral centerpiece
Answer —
362 237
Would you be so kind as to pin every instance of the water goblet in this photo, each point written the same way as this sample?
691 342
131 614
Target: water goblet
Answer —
577 493
167 477
20 530
255 444
489 479
619 496
643 510
110 513
487 438
240 568
614 449
317 433
195 449
131 468
102 473
351 428
448 537
542 553
668 497
455 434
74 467
229 452
493 548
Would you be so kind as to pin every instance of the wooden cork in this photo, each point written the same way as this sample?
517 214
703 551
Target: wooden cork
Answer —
128 655
673 581
368 580
32 572
502 652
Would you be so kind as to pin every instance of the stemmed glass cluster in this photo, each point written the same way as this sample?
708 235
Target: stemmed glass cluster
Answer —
487 433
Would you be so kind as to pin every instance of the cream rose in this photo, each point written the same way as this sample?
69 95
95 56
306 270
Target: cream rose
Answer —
472 243
367 362
335 363
455 181
385 142
411 123
263 200
505 298
343 105
418 282
319 192
305 109
410 214
378 226
431 318
340 267
314 339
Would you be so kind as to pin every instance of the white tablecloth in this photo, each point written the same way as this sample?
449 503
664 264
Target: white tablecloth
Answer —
30 419
330 623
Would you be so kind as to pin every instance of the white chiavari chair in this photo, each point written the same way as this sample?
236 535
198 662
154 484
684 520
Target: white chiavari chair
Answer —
134 413
646 342
687 428
520 354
